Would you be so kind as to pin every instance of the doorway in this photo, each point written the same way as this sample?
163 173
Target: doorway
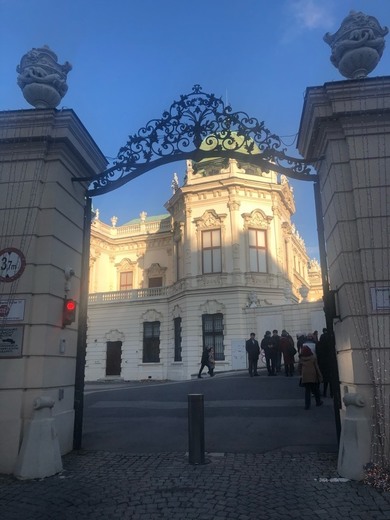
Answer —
114 358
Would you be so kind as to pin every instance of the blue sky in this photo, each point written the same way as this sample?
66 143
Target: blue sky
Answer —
132 58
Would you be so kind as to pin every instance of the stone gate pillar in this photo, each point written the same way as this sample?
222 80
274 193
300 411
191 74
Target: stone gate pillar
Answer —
41 240
345 133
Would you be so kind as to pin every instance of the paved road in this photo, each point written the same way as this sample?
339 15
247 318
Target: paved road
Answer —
242 415
268 459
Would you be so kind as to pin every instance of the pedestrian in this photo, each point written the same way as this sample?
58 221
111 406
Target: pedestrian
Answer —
311 376
309 341
253 350
300 340
269 352
288 351
207 360
324 358
211 361
278 353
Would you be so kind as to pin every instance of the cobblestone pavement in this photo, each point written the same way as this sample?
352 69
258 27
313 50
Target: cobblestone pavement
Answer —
276 485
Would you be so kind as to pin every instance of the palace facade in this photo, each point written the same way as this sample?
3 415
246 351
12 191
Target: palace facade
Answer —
224 261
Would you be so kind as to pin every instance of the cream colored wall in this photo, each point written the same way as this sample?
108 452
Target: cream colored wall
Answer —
48 229
126 318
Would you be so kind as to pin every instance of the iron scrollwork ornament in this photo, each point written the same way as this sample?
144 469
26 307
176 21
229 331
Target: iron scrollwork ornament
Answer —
198 126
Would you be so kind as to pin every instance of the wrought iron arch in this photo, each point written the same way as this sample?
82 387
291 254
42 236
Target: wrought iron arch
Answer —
198 126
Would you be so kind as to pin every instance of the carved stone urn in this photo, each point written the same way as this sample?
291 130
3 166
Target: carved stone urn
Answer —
357 46
41 78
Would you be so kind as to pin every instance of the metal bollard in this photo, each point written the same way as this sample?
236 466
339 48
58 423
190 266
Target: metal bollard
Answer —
196 429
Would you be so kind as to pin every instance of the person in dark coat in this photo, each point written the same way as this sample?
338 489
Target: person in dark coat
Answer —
288 350
253 350
211 361
300 340
278 353
311 376
205 361
270 353
324 358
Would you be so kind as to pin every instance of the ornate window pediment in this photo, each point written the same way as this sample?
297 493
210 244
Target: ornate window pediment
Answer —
125 265
156 271
114 335
210 219
287 229
256 219
177 312
212 307
151 315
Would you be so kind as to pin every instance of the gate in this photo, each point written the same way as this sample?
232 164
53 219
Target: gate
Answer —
200 126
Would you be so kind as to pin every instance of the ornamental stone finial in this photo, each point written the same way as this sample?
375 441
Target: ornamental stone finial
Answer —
175 183
357 46
41 78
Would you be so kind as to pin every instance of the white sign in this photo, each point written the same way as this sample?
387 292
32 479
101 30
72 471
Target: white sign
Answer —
239 357
11 341
12 310
12 264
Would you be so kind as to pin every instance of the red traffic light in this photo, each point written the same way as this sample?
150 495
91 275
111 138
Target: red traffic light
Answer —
69 312
70 305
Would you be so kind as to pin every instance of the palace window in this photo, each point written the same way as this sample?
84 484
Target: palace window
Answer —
257 251
126 281
156 281
151 343
177 330
211 251
212 329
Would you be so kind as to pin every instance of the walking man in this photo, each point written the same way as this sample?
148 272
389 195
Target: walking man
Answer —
253 349
207 360
270 353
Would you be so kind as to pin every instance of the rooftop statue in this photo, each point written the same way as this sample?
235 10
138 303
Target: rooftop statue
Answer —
357 46
41 78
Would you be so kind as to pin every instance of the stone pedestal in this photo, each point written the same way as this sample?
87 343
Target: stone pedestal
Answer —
42 216
345 132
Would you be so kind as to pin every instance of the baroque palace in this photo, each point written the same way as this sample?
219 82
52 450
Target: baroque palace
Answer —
223 262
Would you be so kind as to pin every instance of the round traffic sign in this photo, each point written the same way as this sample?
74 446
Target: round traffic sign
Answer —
12 264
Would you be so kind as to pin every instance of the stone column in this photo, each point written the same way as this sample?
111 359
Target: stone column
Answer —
42 217
346 126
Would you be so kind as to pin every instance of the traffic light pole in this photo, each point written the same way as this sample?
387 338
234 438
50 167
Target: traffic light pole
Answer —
82 331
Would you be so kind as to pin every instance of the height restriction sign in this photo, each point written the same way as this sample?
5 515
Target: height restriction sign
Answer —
12 264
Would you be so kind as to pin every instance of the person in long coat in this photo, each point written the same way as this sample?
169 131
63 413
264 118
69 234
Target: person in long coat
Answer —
207 360
311 376
253 349
286 345
324 358
211 361
270 353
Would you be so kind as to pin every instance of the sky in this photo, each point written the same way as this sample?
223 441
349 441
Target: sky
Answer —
133 58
